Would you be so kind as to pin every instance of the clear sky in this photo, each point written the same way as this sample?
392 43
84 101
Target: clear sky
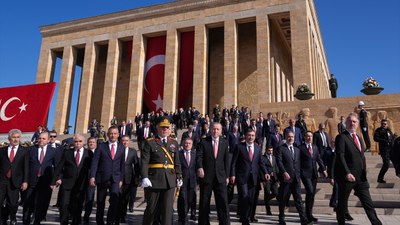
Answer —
361 38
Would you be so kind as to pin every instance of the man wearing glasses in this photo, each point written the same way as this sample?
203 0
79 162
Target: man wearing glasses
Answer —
384 136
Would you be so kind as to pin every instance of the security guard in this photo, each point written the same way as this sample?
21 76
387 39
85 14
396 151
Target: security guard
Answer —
161 174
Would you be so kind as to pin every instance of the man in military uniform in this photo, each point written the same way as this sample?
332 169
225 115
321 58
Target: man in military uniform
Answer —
161 173
333 85
363 115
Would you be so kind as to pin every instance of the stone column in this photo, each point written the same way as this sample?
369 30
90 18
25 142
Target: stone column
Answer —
301 49
171 71
46 65
135 98
200 68
110 83
230 63
86 88
263 60
278 85
65 85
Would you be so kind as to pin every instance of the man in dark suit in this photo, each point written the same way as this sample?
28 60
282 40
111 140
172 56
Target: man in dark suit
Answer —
350 172
161 174
309 156
213 170
384 136
71 174
298 138
246 122
124 129
364 125
271 185
192 135
91 146
233 138
341 125
246 167
288 159
275 138
321 140
333 85
187 195
258 130
144 133
131 175
14 171
107 173
268 126
42 161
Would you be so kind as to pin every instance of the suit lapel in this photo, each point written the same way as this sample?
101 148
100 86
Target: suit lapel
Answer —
348 135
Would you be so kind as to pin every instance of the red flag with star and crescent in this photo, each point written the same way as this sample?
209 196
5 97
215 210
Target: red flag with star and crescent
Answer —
153 88
25 107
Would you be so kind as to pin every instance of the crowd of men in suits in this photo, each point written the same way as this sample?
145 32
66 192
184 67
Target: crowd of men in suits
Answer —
214 155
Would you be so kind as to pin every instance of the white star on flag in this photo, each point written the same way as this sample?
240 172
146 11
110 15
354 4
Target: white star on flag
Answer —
158 102
22 107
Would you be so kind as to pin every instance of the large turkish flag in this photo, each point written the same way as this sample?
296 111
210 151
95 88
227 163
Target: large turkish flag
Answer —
186 70
153 92
25 107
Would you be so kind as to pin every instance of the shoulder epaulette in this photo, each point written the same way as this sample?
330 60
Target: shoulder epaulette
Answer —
149 139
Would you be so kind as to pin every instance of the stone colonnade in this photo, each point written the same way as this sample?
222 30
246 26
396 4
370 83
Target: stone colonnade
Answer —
277 74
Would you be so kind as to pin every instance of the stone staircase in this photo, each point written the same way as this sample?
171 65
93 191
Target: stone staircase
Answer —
386 197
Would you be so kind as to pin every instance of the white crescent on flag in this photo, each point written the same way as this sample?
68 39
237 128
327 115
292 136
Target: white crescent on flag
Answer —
153 61
4 107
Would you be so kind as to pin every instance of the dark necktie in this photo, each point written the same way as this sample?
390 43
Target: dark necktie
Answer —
164 142
77 157
41 157
11 160
292 151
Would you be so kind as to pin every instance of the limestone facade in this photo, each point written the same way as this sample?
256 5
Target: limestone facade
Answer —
246 52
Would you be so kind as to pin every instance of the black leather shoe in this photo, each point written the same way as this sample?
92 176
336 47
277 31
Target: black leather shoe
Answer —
281 222
269 213
313 219
381 181
348 217
253 220
130 209
193 217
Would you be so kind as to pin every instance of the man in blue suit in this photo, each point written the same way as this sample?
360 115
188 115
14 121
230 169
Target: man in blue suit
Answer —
107 172
42 161
298 139
245 166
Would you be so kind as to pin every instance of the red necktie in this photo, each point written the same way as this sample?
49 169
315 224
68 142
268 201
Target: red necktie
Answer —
41 157
356 141
11 160
250 153
112 151
215 148
188 158
310 150
77 158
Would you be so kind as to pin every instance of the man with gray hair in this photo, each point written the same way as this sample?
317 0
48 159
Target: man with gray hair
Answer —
14 170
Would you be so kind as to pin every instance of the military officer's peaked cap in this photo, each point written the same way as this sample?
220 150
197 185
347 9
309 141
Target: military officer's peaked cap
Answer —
164 122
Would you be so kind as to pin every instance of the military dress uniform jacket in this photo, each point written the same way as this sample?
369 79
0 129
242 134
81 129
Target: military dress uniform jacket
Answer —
157 166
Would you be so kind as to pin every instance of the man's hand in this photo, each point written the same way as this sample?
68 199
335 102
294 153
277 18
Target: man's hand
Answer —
146 183
233 178
286 176
120 184
332 181
179 182
227 181
92 182
350 178
52 187
58 182
200 172
267 176
325 174
24 186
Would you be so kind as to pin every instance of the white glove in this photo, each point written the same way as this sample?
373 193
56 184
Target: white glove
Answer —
179 182
146 183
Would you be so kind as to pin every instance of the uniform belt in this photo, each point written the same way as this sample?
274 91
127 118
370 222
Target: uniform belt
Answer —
161 166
